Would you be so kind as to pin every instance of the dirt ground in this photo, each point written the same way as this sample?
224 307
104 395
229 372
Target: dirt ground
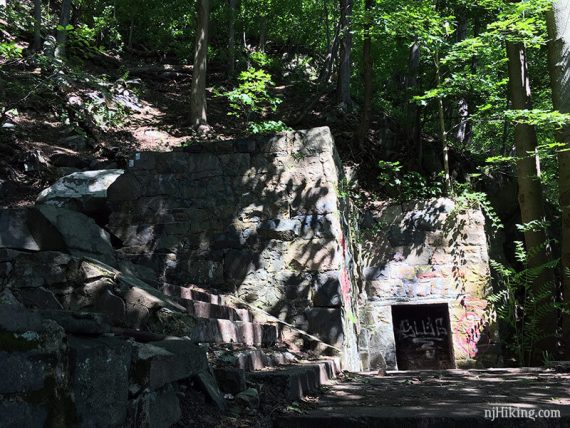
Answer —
441 398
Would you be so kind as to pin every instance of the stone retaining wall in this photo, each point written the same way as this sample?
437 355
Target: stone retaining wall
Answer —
262 218
51 377
429 252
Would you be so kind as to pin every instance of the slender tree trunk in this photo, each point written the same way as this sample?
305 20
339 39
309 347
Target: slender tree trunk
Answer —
327 23
367 65
463 129
263 33
61 35
232 38
326 71
442 129
558 22
413 110
131 30
198 102
37 44
343 86
530 196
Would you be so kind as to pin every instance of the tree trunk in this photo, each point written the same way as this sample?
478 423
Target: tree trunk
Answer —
61 35
327 23
559 56
442 129
463 128
232 38
413 110
326 71
530 196
263 33
131 30
198 102
344 72
367 66
37 44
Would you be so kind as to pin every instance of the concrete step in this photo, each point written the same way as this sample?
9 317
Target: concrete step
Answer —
239 332
296 381
190 293
203 304
202 309
251 359
297 340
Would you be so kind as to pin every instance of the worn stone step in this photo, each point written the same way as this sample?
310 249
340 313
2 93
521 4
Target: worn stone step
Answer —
227 331
157 364
252 359
190 293
296 381
297 340
202 309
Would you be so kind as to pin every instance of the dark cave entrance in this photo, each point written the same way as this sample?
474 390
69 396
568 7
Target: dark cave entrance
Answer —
423 337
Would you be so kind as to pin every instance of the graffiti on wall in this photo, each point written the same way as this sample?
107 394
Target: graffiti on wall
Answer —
424 328
470 325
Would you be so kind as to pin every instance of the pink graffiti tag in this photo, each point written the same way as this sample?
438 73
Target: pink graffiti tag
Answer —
468 333
343 275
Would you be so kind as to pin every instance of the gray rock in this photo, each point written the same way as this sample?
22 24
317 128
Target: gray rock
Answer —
100 381
80 323
49 269
319 226
27 229
237 264
208 383
283 229
249 398
408 236
326 324
159 363
38 297
85 191
82 236
24 372
327 290
156 409
231 380
17 414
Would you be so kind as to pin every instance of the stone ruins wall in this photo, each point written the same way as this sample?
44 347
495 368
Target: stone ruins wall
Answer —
260 217
51 377
428 252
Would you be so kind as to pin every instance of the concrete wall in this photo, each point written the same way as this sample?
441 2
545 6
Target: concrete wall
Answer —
421 253
262 218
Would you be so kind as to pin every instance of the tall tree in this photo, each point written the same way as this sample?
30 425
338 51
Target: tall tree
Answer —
198 115
462 129
232 38
413 110
37 44
558 23
345 63
367 70
530 195
61 35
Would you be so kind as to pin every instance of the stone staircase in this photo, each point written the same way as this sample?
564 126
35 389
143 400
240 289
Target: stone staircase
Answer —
218 323
251 347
